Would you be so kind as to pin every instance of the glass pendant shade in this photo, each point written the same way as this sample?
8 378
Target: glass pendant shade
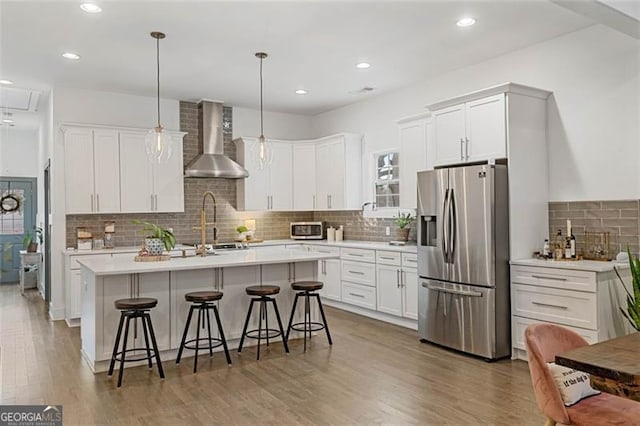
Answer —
158 145
264 153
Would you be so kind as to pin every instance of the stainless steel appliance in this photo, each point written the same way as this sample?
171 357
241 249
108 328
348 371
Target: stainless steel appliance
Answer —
307 230
463 250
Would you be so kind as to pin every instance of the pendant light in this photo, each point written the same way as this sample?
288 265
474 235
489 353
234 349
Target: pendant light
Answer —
157 141
264 153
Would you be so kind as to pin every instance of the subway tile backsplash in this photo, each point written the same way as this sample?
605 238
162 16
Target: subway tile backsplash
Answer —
620 218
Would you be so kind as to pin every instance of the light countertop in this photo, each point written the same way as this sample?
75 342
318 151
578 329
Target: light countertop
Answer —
222 259
580 265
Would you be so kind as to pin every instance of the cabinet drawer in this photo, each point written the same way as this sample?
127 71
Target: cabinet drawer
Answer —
409 260
392 258
520 324
567 279
564 307
74 260
361 255
359 272
325 250
359 295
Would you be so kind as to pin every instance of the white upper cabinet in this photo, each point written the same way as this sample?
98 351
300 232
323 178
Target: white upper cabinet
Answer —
412 135
304 176
107 171
320 174
91 163
267 188
146 186
471 131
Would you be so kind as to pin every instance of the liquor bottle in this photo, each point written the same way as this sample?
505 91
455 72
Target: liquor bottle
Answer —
559 245
567 249
572 239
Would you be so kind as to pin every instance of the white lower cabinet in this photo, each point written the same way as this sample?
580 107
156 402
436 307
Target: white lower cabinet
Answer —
75 294
329 274
389 290
359 295
410 293
584 301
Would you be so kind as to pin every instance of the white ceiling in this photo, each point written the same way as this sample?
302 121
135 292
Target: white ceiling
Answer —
210 46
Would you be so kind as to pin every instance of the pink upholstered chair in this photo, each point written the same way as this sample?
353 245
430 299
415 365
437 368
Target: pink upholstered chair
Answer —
543 342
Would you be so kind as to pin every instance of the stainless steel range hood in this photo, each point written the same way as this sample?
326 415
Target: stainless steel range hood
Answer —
212 162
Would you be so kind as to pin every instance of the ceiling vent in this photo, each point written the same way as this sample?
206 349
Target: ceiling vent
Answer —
19 99
366 89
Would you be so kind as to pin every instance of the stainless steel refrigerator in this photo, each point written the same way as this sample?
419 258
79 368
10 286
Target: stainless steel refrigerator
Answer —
463 251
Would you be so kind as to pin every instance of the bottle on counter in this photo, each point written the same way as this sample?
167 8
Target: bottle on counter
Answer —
340 233
558 245
331 233
567 249
572 239
546 250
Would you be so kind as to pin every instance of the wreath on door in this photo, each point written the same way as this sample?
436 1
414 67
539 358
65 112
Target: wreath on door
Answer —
10 203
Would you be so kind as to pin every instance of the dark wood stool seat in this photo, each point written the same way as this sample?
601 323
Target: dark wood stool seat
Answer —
135 308
263 295
136 303
307 290
203 302
307 285
203 296
262 290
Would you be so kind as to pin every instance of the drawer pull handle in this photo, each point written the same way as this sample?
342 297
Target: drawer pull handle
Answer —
410 260
356 272
549 305
544 277
355 254
357 295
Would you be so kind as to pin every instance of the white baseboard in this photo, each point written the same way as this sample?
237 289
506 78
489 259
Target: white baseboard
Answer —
381 316
72 322
56 314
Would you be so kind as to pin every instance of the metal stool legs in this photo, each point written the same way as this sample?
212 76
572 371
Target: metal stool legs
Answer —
307 325
265 332
147 329
212 342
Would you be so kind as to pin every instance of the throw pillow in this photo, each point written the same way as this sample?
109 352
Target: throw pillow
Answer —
573 384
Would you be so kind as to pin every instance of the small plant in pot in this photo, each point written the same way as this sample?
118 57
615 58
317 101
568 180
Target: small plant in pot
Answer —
158 238
403 220
632 313
31 240
243 233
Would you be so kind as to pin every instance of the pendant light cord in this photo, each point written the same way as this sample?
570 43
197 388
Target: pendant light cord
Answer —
158 76
261 114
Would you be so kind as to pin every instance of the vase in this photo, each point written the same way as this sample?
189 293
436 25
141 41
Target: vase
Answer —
403 234
32 248
154 246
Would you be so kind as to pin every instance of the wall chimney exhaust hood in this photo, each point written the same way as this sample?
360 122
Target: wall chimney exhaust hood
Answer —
212 162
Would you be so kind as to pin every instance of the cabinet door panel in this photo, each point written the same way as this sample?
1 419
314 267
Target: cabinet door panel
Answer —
280 177
256 185
486 128
78 170
113 287
75 310
336 174
156 285
235 303
136 177
107 171
410 293
304 176
413 158
389 291
168 181
323 173
329 273
449 130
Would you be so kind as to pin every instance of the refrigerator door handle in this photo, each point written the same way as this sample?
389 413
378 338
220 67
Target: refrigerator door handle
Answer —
453 225
451 291
445 233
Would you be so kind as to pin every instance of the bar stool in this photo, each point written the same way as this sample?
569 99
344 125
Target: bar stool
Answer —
263 295
203 302
134 309
307 289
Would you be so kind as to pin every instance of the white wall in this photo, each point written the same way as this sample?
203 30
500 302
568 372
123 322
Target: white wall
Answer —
90 107
594 125
18 152
277 125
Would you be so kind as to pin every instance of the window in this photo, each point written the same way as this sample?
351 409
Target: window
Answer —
387 179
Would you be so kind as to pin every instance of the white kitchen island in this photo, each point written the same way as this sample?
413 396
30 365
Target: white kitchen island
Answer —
106 280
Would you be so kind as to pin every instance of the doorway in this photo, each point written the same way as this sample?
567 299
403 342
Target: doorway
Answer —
17 216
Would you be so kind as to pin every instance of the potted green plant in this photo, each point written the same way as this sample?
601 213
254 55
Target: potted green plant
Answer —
403 220
31 240
243 233
632 313
158 238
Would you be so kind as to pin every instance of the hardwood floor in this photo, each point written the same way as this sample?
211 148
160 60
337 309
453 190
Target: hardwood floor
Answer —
373 373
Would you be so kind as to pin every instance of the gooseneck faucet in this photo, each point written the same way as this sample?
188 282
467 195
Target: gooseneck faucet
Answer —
203 223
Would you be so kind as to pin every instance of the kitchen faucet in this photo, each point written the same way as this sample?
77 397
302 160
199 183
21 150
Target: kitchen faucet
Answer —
371 203
203 224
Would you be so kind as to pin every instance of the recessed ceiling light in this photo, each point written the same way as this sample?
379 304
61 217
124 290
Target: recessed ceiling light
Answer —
466 22
90 8
301 92
71 55
6 82
7 120
363 65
